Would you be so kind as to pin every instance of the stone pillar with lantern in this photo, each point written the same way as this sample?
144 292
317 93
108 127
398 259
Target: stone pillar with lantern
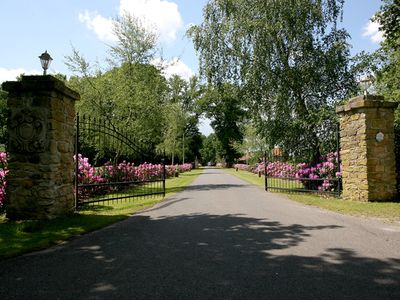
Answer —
40 147
367 148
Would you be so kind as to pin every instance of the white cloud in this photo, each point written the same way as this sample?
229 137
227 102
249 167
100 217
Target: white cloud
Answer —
178 67
371 30
174 67
100 25
163 15
12 74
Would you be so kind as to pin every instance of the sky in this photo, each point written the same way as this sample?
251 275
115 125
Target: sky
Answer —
29 27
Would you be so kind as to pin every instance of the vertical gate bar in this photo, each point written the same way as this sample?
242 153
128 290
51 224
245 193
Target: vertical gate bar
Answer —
76 161
338 157
265 171
164 175
103 129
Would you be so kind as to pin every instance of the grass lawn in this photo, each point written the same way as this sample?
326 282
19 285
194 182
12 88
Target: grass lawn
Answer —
387 211
25 236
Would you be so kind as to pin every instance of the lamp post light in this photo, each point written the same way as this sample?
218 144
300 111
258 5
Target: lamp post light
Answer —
45 61
366 83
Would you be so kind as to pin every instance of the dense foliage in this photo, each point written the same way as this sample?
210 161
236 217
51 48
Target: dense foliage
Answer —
3 116
3 173
389 19
384 64
133 94
211 150
224 106
289 60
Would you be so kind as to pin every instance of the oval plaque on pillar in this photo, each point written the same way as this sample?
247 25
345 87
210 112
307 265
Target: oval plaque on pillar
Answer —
27 132
379 137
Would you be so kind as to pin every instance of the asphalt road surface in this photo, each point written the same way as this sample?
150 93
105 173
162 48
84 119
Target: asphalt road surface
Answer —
219 239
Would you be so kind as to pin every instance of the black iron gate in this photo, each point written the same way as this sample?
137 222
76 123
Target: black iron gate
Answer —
397 155
111 166
284 172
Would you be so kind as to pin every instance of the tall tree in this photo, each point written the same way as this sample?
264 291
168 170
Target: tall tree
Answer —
172 140
211 149
130 93
288 57
182 97
135 43
253 145
223 105
383 64
3 118
388 73
133 94
389 19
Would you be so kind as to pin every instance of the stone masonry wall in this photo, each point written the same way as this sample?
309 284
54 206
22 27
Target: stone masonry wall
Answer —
354 157
40 148
369 172
382 161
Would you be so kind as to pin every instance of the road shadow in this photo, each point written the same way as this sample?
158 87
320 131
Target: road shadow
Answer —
206 187
166 203
205 172
209 187
199 256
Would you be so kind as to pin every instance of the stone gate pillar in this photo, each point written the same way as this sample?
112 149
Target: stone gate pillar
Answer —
367 149
40 148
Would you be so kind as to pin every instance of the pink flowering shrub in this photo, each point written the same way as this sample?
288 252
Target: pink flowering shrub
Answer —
274 169
148 172
171 170
184 168
319 176
87 174
281 169
324 173
3 173
123 172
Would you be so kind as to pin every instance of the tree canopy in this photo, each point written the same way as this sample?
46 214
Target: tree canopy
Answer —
384 63
389 19
133 94
223 105
289 59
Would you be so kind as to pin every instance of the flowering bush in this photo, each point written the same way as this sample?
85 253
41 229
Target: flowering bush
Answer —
327 170
123 172
279 169
313 176
87 174
184 168
171 170
3 173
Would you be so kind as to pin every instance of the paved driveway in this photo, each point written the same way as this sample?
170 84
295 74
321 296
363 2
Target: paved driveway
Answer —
219 239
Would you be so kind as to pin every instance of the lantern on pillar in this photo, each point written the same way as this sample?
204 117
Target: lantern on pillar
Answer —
45 61
366 83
